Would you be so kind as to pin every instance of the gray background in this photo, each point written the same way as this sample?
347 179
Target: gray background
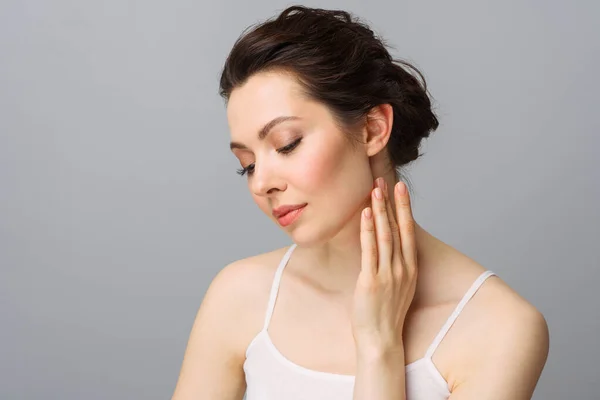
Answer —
119 199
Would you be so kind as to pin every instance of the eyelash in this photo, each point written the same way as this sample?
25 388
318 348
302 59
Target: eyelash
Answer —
283 150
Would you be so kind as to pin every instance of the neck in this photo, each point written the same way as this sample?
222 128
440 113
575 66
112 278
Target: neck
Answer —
334 266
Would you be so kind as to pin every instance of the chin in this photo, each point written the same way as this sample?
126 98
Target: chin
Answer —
314 234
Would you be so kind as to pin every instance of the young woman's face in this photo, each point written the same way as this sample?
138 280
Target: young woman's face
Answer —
303 159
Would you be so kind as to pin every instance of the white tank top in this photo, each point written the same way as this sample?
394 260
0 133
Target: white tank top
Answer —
271 376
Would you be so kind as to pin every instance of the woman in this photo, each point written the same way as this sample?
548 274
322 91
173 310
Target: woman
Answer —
322 120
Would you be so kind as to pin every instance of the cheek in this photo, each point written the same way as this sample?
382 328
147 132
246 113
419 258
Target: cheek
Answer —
335 175
330 176
310 177
317 171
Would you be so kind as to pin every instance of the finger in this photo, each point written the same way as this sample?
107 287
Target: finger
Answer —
407 225
368 243
396 243
383 232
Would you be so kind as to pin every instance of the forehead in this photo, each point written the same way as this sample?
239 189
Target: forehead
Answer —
264 96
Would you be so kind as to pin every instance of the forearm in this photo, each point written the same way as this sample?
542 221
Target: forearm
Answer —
380 375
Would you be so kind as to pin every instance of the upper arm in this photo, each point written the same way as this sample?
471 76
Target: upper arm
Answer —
513 360
212 363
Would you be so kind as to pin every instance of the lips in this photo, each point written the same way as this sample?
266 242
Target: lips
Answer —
290 217
283 210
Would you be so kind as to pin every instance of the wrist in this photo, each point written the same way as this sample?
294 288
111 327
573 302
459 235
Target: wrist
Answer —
377 352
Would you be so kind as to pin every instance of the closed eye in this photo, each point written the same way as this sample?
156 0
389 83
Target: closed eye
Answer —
283 150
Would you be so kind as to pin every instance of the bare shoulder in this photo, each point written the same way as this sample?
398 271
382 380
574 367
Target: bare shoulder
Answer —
243 288
504 313
230 315
500 331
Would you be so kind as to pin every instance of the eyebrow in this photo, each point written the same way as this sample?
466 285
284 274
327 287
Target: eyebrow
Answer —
264 131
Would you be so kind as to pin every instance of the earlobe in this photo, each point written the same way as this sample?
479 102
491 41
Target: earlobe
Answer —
378 128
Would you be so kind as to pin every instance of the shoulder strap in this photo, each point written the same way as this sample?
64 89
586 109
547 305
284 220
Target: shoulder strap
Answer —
450 321
275 285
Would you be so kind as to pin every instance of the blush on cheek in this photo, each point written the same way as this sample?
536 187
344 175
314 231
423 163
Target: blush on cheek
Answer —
324 164
317 173
329 173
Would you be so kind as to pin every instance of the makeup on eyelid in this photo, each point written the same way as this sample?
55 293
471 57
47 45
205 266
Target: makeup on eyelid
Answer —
282 150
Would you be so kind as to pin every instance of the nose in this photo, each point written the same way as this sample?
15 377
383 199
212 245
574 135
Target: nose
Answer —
266 179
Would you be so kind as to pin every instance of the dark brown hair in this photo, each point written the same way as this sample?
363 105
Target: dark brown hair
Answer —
340 62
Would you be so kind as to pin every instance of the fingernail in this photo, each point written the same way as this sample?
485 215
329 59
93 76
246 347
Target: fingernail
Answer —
401 188
378 193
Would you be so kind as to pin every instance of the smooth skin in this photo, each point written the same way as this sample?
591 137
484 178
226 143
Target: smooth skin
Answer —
495 350
384 291
212 367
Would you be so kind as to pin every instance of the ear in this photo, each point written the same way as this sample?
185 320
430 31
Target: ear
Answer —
378 128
